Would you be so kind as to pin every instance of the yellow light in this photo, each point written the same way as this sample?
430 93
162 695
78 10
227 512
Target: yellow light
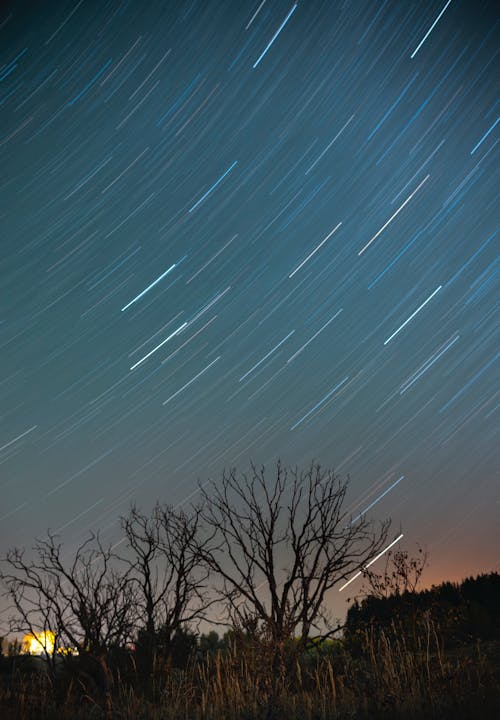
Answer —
39 643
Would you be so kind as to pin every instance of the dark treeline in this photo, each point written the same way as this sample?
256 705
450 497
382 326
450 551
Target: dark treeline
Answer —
465 611
260 560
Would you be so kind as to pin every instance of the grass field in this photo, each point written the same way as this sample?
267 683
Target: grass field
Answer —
385 677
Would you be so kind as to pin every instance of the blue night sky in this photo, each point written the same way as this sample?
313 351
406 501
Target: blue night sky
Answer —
238 231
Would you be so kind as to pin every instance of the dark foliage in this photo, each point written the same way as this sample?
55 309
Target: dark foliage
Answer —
465 611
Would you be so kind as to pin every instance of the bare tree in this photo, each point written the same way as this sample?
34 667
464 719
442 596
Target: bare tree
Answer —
401 574
388 600
86 601
166 568
280 545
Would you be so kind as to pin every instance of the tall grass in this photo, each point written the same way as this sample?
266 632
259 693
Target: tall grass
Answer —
383 674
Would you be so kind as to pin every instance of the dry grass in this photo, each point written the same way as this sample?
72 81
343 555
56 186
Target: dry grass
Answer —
384 678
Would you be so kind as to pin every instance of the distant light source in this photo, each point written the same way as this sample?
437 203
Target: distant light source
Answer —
39 643
43 643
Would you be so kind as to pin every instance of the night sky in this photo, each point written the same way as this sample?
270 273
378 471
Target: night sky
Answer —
239 231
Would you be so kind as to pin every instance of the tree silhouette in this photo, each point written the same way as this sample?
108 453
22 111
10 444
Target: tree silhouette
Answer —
401 574
169 578
278 546
87 602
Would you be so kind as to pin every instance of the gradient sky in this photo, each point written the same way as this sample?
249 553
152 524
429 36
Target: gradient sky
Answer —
236 231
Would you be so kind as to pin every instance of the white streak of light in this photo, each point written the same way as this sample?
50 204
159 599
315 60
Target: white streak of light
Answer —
384 551
275 36
149 287
329 145
176 332
350 581
189 339
393 216
315 250
209 305
323 400
426 366
429 30
192 380
266 356
377 499
212 187
371 562
255 15
314 336
211 259
413 315
17 438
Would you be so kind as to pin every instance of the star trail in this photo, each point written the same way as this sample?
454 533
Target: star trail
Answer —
237 231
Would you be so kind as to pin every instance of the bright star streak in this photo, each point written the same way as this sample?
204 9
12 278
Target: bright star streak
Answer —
371 562
351 580
413 315
255 15
158 332
275 35
17 438
176 332
155 282
393 216
485 136
192 380
210 189
384 551
266 356
429 30
376 501
315 250
328 394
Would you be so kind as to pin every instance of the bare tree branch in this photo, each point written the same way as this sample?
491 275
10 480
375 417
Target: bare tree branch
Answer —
166 570
278 547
